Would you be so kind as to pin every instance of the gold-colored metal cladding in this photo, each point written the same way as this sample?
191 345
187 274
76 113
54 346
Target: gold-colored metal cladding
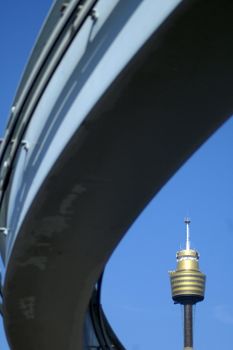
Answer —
187 282
188 285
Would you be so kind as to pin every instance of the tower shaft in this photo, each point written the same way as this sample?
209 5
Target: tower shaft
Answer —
188 326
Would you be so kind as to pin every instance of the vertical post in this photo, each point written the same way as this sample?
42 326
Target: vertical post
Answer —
188 326
187 222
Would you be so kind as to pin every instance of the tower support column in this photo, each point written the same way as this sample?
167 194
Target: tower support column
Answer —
188 327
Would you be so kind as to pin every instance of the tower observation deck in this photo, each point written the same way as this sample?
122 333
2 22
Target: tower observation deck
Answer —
188 285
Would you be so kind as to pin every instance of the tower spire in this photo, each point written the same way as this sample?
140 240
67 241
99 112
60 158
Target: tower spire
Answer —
188 285
187 223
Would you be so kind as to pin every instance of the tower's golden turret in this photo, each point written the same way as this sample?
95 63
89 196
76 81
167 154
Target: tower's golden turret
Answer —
187 282
188 285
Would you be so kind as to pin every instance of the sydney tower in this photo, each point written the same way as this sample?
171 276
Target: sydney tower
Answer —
188 285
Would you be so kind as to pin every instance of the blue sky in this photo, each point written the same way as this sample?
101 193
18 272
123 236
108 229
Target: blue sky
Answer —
136 290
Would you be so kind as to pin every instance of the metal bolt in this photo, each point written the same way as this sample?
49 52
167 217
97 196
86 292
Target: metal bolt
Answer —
64 7
4 231
79 8
6 164
25 145
94 15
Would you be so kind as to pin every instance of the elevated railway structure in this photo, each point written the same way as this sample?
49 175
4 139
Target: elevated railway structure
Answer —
98 126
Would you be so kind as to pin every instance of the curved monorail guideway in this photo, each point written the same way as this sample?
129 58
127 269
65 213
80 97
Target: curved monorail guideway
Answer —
98 126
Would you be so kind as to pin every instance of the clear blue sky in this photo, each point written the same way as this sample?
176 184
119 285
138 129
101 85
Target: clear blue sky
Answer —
136 291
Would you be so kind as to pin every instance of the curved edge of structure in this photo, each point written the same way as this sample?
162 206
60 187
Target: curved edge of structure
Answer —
105 336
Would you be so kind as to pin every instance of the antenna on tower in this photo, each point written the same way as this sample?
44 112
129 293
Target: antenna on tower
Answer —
187 222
